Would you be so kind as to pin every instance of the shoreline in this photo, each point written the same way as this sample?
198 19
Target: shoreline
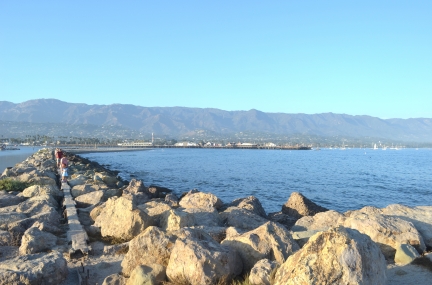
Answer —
97 150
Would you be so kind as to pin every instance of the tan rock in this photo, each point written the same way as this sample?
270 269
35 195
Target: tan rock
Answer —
241 219
150 247
420 217
405 254
269 241
251 204
35 241
155 210
152 274
338 256
202 261
200 200
386 231
261 272
176 219
37 190
319 222
299 206
89 199
95 212
121 219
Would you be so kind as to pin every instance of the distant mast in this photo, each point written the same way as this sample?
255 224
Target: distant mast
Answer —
152 138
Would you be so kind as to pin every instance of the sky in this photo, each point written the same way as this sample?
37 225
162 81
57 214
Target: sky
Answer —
352 57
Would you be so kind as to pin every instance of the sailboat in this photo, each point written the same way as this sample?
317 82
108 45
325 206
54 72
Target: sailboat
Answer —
375 147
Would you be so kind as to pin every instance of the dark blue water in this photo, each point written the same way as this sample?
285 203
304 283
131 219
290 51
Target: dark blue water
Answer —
337 179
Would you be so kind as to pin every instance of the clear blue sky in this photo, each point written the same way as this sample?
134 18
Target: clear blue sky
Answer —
354 57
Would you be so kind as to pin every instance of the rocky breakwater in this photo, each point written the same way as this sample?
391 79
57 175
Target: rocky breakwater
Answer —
32 235
148 235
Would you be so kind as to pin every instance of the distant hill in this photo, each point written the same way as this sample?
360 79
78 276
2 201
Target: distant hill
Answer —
176 121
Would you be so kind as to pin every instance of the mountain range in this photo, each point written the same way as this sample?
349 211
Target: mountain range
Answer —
176 121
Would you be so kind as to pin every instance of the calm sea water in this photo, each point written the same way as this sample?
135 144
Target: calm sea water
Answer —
9 158
337 179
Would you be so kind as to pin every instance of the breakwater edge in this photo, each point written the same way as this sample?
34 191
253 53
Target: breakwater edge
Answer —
137 232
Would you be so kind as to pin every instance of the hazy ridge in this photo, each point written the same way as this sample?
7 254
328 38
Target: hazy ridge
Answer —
176 121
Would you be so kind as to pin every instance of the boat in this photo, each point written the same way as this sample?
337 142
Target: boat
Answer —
375 147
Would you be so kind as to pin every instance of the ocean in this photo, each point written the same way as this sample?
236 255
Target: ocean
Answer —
337 179
8 158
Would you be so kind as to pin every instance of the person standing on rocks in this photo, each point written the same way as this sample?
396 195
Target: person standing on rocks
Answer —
64 168
58 155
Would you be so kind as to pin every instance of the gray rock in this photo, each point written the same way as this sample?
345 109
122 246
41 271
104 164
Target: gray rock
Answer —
41 268
34 241
7 199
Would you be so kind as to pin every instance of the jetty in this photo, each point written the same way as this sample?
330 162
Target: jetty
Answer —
100 229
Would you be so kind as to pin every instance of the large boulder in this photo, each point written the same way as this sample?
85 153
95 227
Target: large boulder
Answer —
242 219
319 222
151 274
50 216
34 241
420 217
8 218
107 179
201 260
35 207
386 231
200 200
155 210
135 187
298 206
270 241
7 199
261 272
337 256
152 246
176 219
208 217
89 199
77 180
38 190
41 268
121 219
250 203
